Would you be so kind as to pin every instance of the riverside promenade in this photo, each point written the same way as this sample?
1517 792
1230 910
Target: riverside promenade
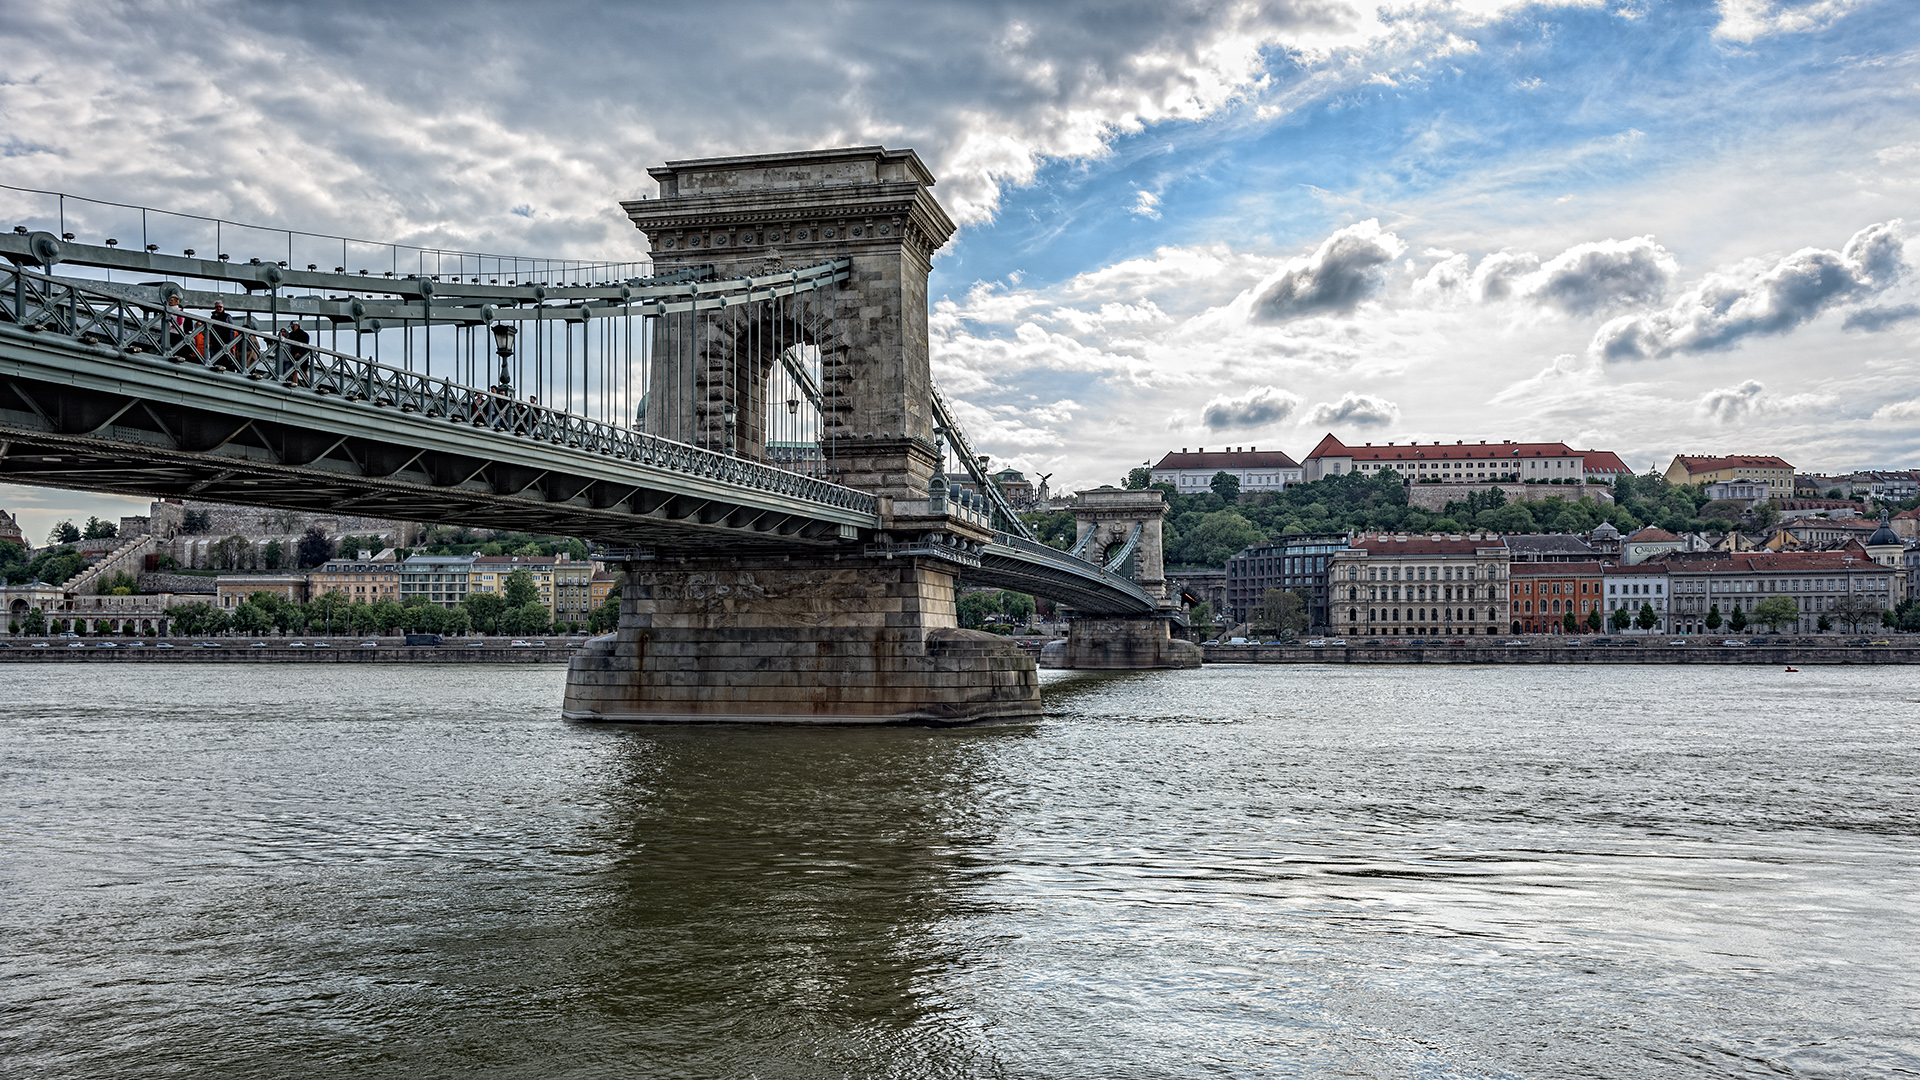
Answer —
243 651
1902 649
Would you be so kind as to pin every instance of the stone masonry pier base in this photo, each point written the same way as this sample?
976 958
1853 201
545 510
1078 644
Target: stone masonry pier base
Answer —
1119 643
800 639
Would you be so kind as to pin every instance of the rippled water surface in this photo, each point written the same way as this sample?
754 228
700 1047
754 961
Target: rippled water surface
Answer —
1239 871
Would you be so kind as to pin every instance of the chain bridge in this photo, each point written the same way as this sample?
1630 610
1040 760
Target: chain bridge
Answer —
747 424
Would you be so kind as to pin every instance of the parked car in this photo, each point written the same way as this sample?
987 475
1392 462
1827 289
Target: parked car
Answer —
38 645
322 645
76 644
1880 641
518 644
5 645
296 644
1734 643
1677 641
1336 641
68 634
163 645
106 645
369 644
1317 643
258 645
1516 642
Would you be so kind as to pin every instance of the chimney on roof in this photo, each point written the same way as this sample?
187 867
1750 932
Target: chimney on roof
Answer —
1183 449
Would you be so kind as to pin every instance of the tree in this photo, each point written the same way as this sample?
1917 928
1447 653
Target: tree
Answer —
606 617
1855 608
519 589
251 620
100 530
1647 620
1570 622
1777 611
327 609
1137 478
485 610
531 618
1282 611
1226 485
1825 624
1620 620
63 533
974 608
314 547
1512 518
386 615
1739 620
274 554
1593 620
34 623
1713 619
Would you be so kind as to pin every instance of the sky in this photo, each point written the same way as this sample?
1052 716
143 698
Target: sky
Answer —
1630 225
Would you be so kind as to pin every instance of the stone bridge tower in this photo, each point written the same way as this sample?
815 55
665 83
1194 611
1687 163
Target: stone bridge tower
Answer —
859 631
1121 530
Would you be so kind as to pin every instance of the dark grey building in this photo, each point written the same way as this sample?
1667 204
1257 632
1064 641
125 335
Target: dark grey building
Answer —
1286 562
1550 548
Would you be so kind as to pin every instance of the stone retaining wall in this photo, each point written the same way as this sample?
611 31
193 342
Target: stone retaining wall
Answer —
1761 655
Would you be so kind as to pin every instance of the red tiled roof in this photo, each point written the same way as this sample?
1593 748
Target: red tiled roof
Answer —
1228 459
1420 545
1714 464
1603 461
1651 534
1547 569
1438 451
1786 561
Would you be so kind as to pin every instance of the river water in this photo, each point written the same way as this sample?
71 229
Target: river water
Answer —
364 871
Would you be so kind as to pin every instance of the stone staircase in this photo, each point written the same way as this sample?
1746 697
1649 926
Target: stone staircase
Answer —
129 558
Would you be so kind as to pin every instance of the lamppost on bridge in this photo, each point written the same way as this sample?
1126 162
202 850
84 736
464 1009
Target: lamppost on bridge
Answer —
503 335
728 417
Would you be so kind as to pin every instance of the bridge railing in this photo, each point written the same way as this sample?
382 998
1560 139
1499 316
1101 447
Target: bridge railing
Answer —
41 303
1062 562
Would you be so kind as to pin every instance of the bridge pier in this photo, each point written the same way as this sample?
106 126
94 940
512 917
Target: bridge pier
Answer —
1111 643
797 639
1120 530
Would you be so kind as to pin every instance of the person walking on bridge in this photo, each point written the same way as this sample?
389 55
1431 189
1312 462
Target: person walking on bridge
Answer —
297 335
223 338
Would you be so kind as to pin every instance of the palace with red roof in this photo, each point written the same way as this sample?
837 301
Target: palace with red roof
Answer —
1461 462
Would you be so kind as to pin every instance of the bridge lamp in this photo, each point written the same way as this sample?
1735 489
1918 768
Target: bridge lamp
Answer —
503 335
793 406
728 416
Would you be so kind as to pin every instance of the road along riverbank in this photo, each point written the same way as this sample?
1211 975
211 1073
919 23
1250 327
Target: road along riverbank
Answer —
1440 652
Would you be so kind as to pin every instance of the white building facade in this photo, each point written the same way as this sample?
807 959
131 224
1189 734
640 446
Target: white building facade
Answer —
1257 470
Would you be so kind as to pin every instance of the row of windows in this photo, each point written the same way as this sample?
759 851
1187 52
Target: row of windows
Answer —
1558 588
1419 592
1451 615
1421 573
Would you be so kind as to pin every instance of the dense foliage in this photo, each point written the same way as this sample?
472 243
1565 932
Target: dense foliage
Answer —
53 565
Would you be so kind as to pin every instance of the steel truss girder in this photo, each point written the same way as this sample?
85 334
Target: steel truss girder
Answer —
167 431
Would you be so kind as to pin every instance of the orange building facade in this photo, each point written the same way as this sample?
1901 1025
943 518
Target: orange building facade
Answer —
1545 593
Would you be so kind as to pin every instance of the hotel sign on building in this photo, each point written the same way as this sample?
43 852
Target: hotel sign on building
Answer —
1256 469
1401 585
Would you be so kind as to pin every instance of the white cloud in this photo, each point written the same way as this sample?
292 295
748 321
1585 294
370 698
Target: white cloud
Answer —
1354 410
1348 268
1733 402
1898 412
1588 278
1749 20
1757 299
1145 204
1261 406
